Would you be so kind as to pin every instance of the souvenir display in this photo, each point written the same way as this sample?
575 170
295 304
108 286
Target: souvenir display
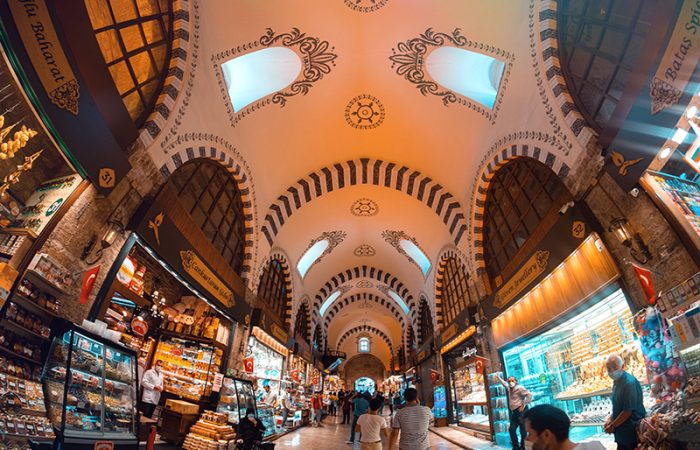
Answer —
99 388
189 367
268 364
439 403
469 387
235 398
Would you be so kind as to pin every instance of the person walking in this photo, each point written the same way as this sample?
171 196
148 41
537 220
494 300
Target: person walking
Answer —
413 420
346 406
360 406
334 404
548 429
380 396
396 400
370 426
152 386
316 410
518 399
627 405
390 402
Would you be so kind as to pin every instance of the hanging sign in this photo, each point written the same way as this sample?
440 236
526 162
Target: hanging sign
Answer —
196 268
469 352
104 445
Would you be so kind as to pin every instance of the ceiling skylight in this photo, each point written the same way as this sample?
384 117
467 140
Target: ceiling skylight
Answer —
255 75
397 298
311 255
329 301
471 74
416 255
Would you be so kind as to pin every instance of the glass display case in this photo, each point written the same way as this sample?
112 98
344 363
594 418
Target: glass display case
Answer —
469 394
565 366
91 389
236 397
189 366
499 409
439 403
266 414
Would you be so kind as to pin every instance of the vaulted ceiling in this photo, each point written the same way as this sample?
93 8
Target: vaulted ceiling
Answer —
316 163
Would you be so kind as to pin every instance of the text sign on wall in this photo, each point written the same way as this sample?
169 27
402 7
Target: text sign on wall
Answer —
523 278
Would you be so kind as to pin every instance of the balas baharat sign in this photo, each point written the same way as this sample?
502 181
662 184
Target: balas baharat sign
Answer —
39 37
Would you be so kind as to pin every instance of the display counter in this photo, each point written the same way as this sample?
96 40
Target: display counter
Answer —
470 400
236 396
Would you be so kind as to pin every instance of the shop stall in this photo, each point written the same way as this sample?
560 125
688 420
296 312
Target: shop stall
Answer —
235 397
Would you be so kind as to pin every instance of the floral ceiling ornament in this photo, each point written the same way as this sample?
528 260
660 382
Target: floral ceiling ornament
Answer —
334 239
365 6
409 58
364 284
364 207
364 112
394 238
365 250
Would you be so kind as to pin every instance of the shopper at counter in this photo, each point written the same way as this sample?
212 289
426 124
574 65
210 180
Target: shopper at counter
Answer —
518 399
627 405
286 406
548 429
152 386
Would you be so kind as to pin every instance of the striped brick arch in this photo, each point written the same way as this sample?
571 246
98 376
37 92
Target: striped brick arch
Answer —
445 255
341 303
292 320
239 172
277 254
365 329
546 23
364 272
419 326
174 80
366 171
506 154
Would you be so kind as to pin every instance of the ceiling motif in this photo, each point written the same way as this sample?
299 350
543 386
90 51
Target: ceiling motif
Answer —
364 207
364 250
318 57
334 239
364 284
409 57
394 237
365 6
364 112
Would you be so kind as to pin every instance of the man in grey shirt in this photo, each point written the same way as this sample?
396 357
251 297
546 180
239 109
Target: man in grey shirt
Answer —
518 399
413 420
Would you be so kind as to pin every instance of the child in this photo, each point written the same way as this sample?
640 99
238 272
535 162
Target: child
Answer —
370 425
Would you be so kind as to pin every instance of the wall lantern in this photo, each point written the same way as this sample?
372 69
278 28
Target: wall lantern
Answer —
112 229
633 241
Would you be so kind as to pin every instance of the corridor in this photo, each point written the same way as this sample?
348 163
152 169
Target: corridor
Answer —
333 435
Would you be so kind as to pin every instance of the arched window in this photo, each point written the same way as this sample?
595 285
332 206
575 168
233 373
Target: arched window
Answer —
135 37
600 43
273 289
363 345
210 195
301 325
521 195
454 294
426 322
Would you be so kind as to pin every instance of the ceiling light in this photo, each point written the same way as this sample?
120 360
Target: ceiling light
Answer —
665 153
691 112
679 135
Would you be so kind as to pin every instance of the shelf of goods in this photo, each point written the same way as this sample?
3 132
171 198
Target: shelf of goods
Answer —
97 380
439 403
499 409
235 398
210 432
471 403
565 366
189 366
25 328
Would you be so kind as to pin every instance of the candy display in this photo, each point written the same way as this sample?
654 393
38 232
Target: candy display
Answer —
29 426
26 320
211 433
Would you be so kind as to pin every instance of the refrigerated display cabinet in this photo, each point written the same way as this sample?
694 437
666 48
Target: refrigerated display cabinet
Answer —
91 389
236 397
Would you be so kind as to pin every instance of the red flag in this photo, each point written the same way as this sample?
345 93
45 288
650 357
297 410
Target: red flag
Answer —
88 283
248 364
644 277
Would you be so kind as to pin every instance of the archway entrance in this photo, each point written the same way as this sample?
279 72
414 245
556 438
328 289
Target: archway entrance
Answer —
365 384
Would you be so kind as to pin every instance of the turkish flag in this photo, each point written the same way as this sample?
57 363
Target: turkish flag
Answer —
644 277
88 283
248 364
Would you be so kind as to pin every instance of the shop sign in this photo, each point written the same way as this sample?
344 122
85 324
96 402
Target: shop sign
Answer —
469 352
532 269
449 332
45 201
422 355
279 333
104 445
196 268
39 37
218 382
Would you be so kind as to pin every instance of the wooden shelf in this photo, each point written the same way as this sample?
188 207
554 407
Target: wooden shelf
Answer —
31 438
29 304
17 355
19 328
42 283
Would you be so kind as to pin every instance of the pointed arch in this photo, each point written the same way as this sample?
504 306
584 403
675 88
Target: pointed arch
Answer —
302 320
278 263
365 329
342 302
450 293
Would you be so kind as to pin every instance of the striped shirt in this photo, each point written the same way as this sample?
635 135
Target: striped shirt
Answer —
413 420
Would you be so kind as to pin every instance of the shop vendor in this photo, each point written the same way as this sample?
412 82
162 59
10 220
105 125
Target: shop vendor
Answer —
152 384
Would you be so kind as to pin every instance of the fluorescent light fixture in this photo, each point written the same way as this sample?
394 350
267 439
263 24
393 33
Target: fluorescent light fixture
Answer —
665 153
397 298
416 255
679 135
255 75
329 301
471 74
691 112
311 255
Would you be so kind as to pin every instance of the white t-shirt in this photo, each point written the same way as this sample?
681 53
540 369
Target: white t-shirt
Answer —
593 445
371 426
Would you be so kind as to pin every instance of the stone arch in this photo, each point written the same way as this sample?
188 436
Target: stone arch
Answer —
277 254
304 302
486 173
342 302
366 171
431 310
445 255
175 77
318 340
364 272
365 329
240 172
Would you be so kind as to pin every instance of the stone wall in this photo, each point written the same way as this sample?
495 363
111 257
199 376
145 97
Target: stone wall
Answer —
362 366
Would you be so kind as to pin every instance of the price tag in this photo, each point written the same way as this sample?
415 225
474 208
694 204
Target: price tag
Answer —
218 381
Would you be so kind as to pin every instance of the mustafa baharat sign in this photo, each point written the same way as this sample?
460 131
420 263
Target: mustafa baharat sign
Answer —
533 268
199 271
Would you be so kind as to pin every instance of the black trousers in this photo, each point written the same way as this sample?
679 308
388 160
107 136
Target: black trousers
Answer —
346 416
626 446
147 409
516 422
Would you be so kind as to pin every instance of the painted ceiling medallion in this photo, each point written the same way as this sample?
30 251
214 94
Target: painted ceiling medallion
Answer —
364 207
365 250
364 112
365 6
364 284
